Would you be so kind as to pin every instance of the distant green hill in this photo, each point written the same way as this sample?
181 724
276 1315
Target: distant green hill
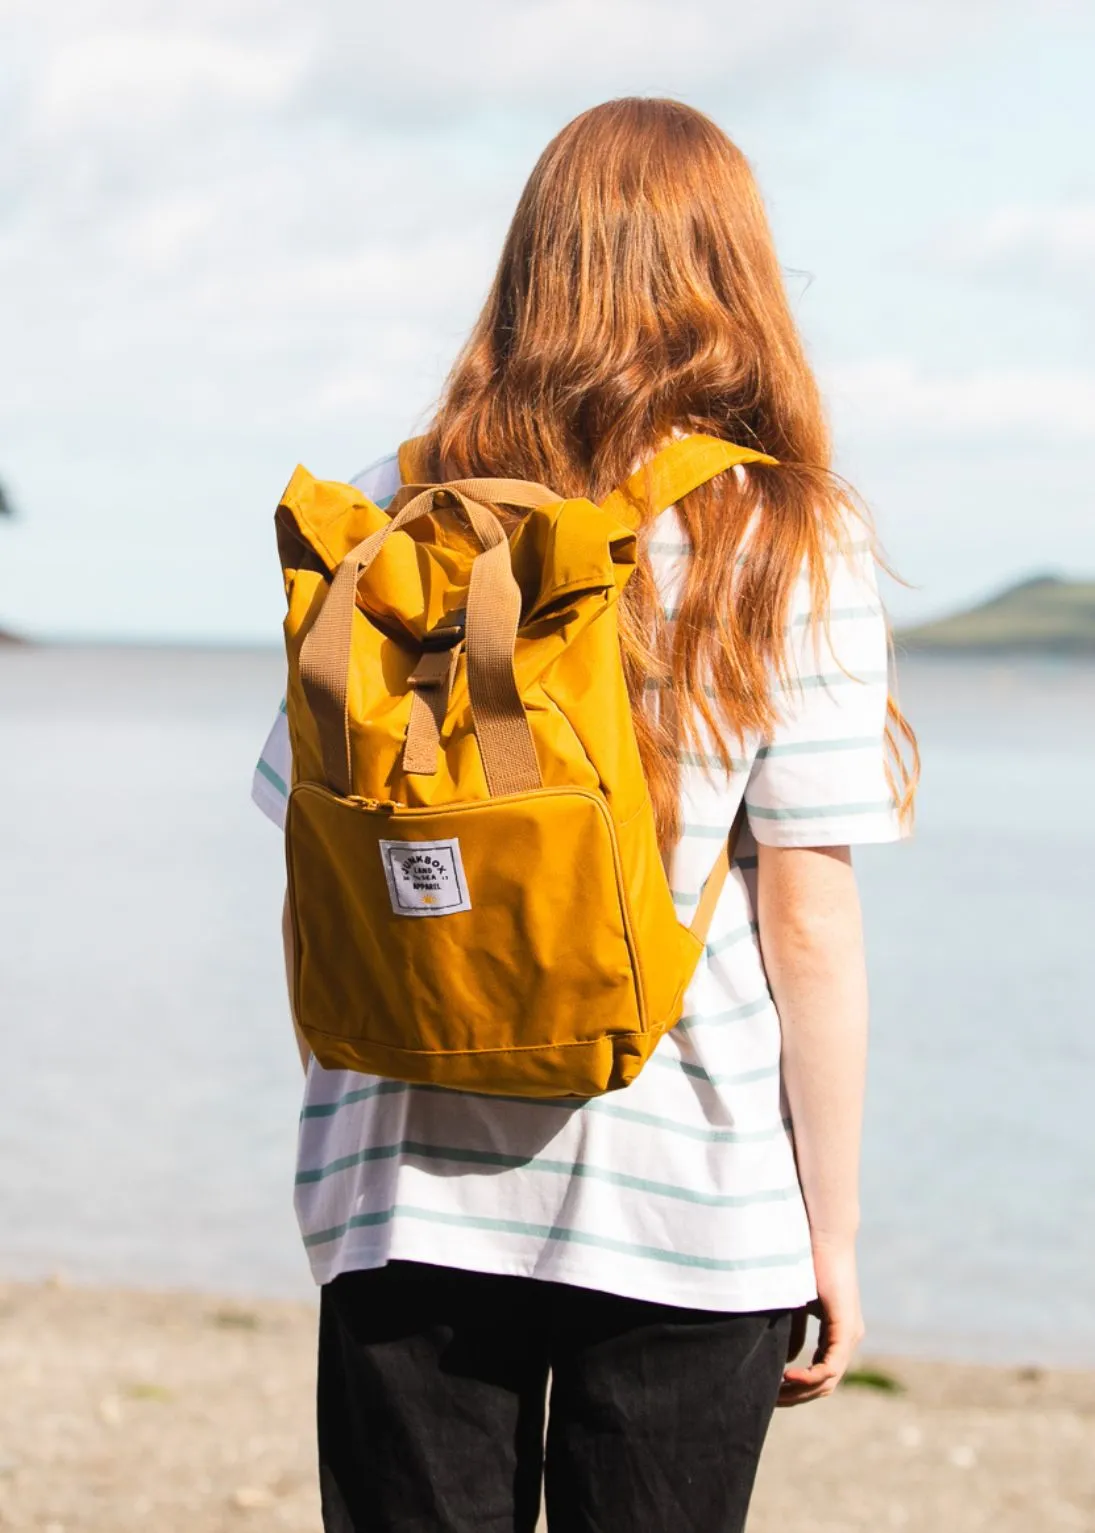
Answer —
1044 615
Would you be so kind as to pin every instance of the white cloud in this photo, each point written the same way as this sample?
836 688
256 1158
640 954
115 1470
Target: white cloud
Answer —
150 74
159 236
440 59
888 395
1026 241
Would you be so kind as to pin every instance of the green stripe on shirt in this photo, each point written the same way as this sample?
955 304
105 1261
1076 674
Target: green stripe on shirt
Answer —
710 760
808 682
731 939
457 1156
820 811
831 679
597 1106
698 1073
687 900
705 832
360 1094
561 1233
263 767
835 615
804 619
818 747
721 1018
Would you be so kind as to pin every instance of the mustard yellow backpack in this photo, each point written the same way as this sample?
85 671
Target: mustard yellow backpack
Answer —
475 887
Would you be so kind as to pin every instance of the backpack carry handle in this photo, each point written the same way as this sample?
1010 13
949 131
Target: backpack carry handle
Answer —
525 493
493 614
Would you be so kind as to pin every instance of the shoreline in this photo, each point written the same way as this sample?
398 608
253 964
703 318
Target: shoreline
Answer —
901 1347
127 1409
1079 654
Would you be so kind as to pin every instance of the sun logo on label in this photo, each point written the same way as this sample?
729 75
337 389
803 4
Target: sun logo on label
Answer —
429 899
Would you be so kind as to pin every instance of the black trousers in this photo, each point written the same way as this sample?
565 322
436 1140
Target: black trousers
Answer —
432 1393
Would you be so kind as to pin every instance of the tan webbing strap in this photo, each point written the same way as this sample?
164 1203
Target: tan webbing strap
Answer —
414 468
324 662
506 742
509 759
525 493
432 681
501 724
415 500
325 652
716 881
508 492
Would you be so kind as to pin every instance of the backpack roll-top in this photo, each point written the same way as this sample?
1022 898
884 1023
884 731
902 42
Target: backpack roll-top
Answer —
476 891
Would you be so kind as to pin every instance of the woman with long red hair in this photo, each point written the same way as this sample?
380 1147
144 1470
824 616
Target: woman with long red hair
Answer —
643 1262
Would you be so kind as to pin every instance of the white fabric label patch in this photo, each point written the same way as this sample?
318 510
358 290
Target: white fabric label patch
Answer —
425 878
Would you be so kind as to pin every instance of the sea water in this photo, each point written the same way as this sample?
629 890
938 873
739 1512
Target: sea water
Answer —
149 1087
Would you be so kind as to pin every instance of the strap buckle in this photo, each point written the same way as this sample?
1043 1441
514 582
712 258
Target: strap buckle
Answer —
448 633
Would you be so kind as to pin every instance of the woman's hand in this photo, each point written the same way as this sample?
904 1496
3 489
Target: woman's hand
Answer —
837 1306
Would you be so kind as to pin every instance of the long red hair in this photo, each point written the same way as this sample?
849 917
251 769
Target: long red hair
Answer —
639 294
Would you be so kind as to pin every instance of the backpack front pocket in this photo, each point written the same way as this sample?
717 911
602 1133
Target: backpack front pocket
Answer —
481 945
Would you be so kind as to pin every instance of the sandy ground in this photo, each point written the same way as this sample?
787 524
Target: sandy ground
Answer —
123 1411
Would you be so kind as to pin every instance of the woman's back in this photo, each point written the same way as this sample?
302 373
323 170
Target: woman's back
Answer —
652 1249
684 1187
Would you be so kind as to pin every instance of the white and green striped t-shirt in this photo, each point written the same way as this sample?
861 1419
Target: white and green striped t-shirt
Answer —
681 1188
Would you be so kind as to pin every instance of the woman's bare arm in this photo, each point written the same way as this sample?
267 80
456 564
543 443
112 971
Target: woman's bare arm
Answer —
812 940
287 943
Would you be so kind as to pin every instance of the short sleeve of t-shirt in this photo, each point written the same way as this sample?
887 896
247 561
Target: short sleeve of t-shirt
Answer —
820 779
273 772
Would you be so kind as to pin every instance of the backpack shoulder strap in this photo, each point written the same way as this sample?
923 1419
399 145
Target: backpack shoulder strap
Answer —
678 469
681 466
715 881
412 460
674 472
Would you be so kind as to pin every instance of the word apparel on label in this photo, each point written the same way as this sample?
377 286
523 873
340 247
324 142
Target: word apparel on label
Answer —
425 878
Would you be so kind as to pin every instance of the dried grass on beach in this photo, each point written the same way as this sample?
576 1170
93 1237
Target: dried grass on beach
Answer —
125 1411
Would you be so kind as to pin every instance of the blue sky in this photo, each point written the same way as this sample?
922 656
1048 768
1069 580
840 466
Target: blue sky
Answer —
246 234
